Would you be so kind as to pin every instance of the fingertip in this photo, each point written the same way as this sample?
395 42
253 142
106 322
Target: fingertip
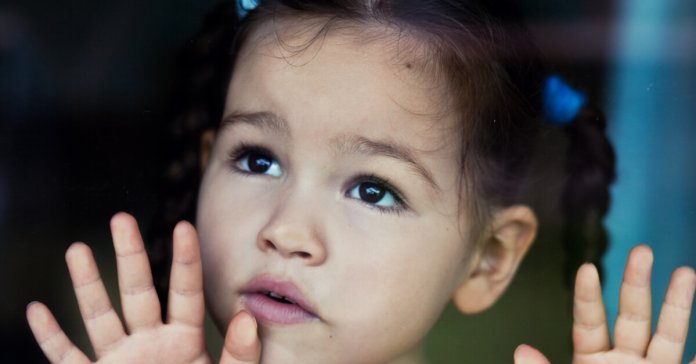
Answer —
685 274
184 237
186 248
32 304
36 310
638 268
183 228
643 247
587 284
526 354
686 271
588 269
75 250
121 218
245 328
642 254
33 309
521 350
40 320
587 272
242 341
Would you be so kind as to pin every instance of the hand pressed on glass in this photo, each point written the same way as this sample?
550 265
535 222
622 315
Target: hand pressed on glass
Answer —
633 342
181 339
145 338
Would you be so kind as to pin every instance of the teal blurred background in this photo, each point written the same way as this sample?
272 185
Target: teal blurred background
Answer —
652 107
83 96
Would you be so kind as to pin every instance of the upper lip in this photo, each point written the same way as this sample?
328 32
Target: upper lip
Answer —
265 284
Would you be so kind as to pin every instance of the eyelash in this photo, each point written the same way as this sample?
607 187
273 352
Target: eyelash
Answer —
400 203
243 150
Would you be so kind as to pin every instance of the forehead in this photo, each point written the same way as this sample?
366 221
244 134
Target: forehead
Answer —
365 80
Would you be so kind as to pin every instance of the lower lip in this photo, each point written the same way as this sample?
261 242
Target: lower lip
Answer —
269 310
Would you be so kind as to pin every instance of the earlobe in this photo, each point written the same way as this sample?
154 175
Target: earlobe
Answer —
512 232
206 147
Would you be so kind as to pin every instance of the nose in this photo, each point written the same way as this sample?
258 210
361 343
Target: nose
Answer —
293 233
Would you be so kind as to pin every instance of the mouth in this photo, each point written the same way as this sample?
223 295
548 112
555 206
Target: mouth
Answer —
278 298
277 302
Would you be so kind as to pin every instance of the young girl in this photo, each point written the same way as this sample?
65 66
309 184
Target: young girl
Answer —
361 164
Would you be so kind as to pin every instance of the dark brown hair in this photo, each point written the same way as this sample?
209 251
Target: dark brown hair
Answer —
494 79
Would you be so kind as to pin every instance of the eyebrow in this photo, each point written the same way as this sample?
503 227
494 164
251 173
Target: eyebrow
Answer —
264 120
363 145
343 144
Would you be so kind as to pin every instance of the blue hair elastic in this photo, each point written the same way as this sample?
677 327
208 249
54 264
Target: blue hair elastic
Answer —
245 6
561 102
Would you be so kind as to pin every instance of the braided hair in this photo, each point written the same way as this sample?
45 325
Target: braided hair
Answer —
480 49
591 169
203 69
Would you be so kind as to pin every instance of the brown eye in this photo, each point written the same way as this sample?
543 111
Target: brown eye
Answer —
256 162
371 192
375 193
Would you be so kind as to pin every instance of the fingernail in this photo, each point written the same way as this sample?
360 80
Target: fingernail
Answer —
519 354
645 267
592 268
246 329
691 283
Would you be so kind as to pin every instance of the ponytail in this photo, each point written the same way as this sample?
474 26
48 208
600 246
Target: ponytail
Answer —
203 69
586 197
590 171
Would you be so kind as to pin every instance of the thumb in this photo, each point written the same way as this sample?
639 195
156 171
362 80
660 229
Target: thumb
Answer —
525 354
242 343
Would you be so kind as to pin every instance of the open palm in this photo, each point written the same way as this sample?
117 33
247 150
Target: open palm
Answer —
633 341
145 339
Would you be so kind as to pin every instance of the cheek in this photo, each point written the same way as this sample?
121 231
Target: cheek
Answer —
396 280
384 284
227 229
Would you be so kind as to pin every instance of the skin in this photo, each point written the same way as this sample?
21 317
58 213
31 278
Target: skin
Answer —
145 338
350 91
388 296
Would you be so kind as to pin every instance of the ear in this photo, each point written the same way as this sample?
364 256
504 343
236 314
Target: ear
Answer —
206 147
512 232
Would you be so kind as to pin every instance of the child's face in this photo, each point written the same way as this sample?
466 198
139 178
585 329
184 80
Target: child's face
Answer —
295 200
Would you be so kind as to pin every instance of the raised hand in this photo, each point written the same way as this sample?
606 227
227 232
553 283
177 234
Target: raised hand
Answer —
145 338
633 342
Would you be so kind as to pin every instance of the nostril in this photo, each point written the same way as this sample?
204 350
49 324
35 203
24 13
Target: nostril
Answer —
269 245
304 255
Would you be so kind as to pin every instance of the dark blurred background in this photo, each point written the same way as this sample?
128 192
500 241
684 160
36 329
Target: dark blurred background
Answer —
84 87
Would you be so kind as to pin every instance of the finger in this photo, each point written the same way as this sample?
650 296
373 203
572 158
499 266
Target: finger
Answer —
667 346
632 328
51 338
525 354
141 308
590 331
186 302
242 344
104 327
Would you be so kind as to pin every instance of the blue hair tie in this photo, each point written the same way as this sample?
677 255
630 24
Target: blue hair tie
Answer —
245 6
561 102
